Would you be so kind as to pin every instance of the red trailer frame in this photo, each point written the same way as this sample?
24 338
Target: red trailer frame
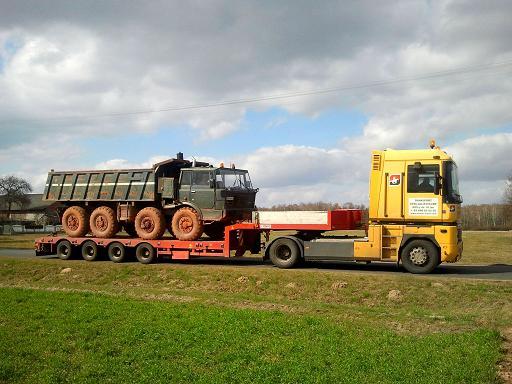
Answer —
238 239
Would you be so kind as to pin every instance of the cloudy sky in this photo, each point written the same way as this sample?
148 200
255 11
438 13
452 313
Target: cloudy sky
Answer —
87 84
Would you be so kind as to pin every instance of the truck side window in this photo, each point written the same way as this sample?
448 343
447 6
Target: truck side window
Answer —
421 179
201 179
186 178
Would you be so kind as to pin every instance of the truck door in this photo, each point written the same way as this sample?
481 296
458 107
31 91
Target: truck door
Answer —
422 201
184 188
202 192
392 192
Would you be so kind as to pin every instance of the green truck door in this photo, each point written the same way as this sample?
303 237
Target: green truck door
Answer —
201 193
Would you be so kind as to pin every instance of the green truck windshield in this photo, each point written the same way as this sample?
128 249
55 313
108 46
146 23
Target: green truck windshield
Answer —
233 178
451 183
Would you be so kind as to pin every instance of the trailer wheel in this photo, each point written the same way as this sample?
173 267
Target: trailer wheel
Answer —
103 222
75 222
129 228
186 224
285 253
420 256
215 231
145 253
90 251
150 223
116 252
64 250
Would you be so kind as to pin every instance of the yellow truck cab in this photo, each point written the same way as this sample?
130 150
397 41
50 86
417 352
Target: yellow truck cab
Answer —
414 209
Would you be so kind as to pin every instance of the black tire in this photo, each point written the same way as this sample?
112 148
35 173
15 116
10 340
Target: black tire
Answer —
420 256
285 253
215 231
90 251
129 228
116 252
145 253
64 250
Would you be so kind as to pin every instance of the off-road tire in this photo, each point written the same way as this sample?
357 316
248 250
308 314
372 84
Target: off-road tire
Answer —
103 222
420 256
116 252
90 251
129 228
145 253
186 224
64 250
75 221
215 231
150 223
285 253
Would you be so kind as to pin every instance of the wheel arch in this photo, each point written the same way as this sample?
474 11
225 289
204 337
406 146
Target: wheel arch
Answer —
406 239
170 212
299 242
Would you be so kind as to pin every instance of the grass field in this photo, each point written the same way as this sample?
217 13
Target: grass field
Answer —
63 321
49 337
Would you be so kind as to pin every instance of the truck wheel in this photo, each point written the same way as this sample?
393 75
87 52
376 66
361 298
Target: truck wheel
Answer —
90 251
129 228
74 221
116 252
150 223
284 253
145 253
215 231
64 250
420 256
186 224
103 222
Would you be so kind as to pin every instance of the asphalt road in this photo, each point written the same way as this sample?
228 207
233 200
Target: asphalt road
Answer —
487 272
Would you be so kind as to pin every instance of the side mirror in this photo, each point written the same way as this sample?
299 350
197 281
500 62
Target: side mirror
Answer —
438 184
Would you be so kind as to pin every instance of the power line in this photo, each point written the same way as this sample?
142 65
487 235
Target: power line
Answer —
313 92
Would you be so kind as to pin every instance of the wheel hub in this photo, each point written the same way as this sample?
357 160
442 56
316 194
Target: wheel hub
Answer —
72 222
418 255
101 223
284 252
147 224
185 224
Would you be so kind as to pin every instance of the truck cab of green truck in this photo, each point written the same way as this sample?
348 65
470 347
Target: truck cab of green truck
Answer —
186 197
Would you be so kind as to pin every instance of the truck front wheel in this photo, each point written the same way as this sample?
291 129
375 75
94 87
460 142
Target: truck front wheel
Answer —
284 253
150 223
75 222
420 256
186 224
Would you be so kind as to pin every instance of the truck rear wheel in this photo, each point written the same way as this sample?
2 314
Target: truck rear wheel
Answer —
186 224
75 222
145 253
420 256
150 223
64 250
103 222
116 252
285 253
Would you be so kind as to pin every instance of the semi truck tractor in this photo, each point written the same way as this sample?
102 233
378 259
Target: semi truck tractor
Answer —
187 197
413 218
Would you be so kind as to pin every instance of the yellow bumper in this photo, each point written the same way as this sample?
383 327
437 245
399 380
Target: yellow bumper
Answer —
450 253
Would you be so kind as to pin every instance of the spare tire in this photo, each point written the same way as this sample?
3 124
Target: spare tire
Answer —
150 223
103 222
186 224
75 221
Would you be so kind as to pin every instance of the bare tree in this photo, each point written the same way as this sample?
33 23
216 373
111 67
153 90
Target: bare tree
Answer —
508 190
13 191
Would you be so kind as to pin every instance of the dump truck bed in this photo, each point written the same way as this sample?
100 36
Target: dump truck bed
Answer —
111 185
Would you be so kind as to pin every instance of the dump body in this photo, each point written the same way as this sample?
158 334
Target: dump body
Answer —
112 185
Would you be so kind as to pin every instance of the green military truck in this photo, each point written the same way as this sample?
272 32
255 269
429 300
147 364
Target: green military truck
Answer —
187 197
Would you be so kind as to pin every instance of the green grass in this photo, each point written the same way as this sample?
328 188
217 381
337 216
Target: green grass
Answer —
49 337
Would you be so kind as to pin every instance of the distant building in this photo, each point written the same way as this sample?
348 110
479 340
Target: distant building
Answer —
36 211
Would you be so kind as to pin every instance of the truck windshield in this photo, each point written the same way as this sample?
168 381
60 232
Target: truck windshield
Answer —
451 183
233 178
